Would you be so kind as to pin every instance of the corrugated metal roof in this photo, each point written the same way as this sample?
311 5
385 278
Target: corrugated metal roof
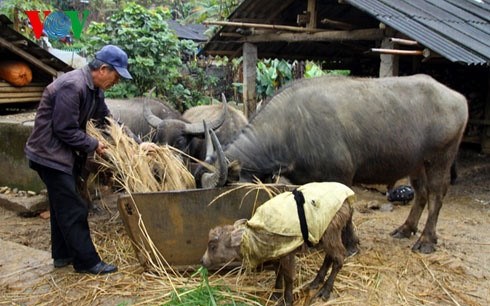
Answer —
456 29
193 32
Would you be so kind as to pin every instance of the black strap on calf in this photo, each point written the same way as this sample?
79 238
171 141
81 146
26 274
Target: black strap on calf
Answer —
300 201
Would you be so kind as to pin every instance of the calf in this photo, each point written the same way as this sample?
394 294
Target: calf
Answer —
327 212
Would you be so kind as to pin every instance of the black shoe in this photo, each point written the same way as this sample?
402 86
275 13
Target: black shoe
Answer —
100 268
62 262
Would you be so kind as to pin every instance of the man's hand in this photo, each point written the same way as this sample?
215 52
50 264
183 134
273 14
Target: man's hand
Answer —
100 148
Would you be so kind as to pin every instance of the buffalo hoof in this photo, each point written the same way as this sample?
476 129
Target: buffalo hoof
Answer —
282 302
325 295
277 296
314 285
351 251
402 232
425 247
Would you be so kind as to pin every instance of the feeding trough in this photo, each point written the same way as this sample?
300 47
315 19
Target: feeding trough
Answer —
178 222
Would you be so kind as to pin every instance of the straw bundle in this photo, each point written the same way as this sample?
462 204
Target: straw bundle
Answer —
137 169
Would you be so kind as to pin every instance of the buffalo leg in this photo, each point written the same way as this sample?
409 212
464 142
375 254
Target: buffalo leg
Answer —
287 265
324 293
320 276
334 254
419 183
349 238
278 286
437 176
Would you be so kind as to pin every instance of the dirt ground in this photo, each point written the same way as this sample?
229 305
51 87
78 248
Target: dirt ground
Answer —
385 272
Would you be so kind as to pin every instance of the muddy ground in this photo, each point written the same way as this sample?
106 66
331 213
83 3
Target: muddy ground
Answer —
385 272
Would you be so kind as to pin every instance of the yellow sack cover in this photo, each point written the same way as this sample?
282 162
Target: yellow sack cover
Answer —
274 230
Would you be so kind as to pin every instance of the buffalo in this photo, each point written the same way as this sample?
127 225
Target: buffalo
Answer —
130 113
187 133
356 131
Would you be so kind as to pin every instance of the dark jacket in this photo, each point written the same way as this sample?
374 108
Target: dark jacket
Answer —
59 128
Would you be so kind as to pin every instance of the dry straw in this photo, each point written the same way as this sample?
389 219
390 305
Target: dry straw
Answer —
137 169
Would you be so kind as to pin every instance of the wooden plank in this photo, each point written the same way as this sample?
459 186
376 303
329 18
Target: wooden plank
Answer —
6 84
36 94
20 100
20 89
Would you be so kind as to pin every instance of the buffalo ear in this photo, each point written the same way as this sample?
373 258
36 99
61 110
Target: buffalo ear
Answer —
236 236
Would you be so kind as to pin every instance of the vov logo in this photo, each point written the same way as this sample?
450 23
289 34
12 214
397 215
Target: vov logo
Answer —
57 24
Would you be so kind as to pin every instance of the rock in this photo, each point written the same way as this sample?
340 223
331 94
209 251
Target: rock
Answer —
45 215
386 207
28 205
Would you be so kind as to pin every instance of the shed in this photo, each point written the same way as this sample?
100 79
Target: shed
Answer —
44 66
448 39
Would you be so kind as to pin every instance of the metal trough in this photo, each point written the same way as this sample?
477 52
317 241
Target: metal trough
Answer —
178 222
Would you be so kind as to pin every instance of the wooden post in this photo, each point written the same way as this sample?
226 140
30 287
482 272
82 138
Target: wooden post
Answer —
249 78
388 65
485 137
313 16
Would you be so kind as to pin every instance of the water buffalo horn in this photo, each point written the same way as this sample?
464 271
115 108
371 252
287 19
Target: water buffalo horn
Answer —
152 120
209 144
197 128
219 177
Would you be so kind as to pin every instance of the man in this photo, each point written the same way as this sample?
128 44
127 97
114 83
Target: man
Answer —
57 149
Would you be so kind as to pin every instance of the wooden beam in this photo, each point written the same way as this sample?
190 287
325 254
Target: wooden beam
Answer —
222 53
313 15
364 34
262 26
28 57
389 62
485 136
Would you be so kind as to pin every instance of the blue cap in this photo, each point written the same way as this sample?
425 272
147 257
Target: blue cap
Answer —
115 57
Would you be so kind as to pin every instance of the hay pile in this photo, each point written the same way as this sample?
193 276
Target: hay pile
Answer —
137 169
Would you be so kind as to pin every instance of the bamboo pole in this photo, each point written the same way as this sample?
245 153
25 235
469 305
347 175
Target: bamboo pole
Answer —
424 52
262 26
361 34
402 41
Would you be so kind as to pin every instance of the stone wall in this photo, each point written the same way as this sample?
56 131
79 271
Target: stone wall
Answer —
14 168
